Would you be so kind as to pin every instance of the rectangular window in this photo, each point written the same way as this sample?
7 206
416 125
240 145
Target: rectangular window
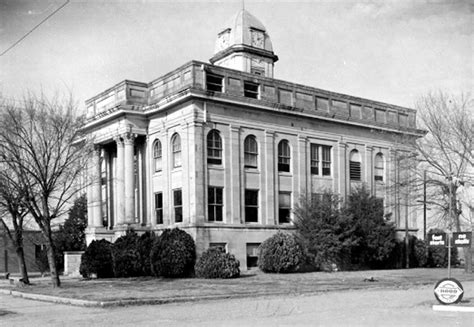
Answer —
251 206
320 158
326 150
354 170
284 207
252 254
159 208
214 82
251 90
178 206
314 159
214 203
322 104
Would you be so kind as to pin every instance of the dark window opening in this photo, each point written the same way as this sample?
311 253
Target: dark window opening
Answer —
178 206
250 90
251 206
159 208
214 83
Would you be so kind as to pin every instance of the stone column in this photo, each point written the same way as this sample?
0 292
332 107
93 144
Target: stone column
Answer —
120 214
96 188
128 178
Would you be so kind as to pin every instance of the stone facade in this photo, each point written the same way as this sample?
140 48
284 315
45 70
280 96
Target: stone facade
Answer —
224 150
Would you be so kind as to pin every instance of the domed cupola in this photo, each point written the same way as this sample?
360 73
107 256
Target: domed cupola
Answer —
244 44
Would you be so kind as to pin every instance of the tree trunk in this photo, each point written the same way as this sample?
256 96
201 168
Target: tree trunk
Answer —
22 264
52 261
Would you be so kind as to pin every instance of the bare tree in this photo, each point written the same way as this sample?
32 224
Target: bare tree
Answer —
12 215
446 153
40 142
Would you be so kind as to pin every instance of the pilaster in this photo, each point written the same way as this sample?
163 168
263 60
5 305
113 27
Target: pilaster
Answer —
271 175
342 169
237 206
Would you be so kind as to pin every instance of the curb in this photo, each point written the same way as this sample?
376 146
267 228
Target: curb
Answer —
452 308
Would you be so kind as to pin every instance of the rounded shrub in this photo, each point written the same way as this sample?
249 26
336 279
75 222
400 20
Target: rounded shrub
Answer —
97 259
144 245
125 255
280 253
173 254
215 263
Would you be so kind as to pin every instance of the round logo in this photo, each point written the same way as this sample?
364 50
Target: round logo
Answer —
448 291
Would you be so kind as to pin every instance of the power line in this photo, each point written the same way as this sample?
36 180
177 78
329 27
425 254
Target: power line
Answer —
31 31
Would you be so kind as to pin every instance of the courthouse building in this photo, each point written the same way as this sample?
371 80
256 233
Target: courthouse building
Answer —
224 151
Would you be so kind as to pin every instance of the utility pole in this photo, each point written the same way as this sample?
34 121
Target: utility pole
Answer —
424 205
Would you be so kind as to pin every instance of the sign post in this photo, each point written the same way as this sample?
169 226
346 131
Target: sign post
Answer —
449 290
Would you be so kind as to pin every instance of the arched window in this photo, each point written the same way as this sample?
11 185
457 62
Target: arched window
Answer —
354 166
284 156
176 148
157 155
250 152
214 147
378 167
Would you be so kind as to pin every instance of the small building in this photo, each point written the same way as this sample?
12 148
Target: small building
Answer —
33 244
224 151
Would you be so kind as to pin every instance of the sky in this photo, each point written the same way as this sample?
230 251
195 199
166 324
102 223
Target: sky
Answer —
389 51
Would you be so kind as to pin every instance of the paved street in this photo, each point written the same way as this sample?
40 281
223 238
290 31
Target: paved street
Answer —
345 308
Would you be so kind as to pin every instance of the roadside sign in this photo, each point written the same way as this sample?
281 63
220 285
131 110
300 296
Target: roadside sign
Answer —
448 291
437 239
462 239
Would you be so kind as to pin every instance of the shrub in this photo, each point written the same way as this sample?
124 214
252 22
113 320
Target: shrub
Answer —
125 255
280 253
97 259
215 263
325 231
438 255
421 253
144 245
173 254
374 236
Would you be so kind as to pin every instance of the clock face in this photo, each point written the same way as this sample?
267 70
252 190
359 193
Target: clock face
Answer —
258 39
223 40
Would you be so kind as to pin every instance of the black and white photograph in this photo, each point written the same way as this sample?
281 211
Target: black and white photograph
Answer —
236 163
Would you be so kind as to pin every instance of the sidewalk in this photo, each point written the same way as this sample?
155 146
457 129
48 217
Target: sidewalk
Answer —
147 290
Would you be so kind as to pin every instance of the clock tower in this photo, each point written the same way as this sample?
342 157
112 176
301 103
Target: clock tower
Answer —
243 44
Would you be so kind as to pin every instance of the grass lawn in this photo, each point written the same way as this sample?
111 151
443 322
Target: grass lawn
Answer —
251 283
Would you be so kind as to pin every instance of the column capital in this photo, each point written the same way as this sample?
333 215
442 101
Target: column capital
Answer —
302 139
234 128
128 138
269 133
343 145
118 139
